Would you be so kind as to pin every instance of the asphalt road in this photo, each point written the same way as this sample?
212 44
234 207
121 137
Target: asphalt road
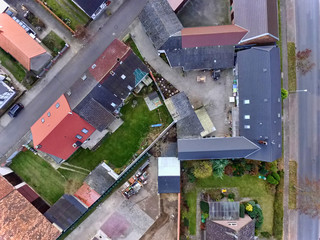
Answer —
307 23
112 29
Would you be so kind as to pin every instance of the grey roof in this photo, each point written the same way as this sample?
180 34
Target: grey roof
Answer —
260 83
168 184
215 148
224 210
65 211
38 62
213 57
257 16
189 126
99 179
6 94
216 231
89 7
159 21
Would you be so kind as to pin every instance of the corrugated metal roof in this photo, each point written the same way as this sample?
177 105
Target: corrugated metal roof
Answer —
260 83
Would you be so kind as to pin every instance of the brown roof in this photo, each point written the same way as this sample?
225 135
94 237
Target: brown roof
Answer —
15 41
212 36
5 187
108 59
20 220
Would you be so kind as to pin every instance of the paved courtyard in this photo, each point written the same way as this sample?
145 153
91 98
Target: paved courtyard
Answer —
213 95
198 13
121 218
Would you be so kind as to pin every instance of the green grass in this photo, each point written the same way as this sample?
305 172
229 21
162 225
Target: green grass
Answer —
248 186
65 9
134 48
278 210
292 78
12 65
292 184
40 175
54 43
118 148
191 215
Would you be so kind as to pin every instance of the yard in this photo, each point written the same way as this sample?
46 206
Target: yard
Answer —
118 148
54 43
12 65
248 186
68 12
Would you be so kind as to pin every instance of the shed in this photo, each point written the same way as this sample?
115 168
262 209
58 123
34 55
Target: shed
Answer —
168 175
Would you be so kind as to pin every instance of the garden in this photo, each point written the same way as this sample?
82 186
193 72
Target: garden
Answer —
254 184
12 65
54 43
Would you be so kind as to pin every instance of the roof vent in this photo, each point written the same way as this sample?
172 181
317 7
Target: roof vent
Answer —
118 59
112 73
265 100
69 93
74 145
123 76
49 114
264 70
42 120
84 77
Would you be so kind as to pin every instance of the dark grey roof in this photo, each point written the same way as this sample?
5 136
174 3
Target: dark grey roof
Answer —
260 83
38 62
216 231
89 7
224 210
126 76
168 184
258 17
159 21
170 150
181 105
153 95
65 211
215 148
213 57
99 179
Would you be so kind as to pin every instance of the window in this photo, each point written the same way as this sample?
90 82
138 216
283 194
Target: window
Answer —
84 130
78 136
49 114
130 88
246 116
57 105
279 133
279 115
113 105
112 73
42 120
93 66
247 101
123 76
246 126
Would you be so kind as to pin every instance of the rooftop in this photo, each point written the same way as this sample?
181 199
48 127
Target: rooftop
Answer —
87 195
224 210
168 166
6 94
89 7
175 4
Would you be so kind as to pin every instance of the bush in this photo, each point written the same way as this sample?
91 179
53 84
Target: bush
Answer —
263 171
276 176
242 210
186 222
231 196
249 208
202 169
265 234
284 93
249 167
272 180
215 195
229 170
204 206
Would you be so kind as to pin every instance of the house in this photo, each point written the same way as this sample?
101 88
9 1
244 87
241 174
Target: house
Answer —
15 41
65 211
87 195
259 17
260 100
19 219
168 175
224 223
92 8
6 93
59 131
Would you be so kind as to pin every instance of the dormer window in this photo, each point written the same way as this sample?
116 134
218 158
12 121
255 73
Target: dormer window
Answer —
247 101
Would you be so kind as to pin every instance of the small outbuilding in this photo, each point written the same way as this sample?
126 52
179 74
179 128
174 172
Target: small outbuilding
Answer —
168 175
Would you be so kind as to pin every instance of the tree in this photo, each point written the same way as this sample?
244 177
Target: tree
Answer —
308 192
304 65
202 169
284 93
218 167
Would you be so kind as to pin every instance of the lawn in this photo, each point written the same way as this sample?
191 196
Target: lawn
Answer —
134 47
12 65
119 147
68 12
292 78
54 43
278 210
191 215
40 175
248 186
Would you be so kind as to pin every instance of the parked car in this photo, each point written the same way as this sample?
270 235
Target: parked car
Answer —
15 110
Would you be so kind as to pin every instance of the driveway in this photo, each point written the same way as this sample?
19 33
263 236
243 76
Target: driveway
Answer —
214 95
37 101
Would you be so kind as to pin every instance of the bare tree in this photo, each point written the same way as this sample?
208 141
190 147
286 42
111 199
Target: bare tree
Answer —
303 62
81 32
309 197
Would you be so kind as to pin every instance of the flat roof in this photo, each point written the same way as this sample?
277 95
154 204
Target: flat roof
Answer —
168 166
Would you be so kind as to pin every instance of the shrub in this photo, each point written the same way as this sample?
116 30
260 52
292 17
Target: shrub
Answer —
239 172
202 169
248 167
242 210
186 222
276 176
204 206
263 171
284 93
274 166
218 167
265 234
272 180
231 196
215 195
229 170
249 207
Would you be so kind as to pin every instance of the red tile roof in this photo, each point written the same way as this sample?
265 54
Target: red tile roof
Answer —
87 195
108 59
56 130
5 187
20 220
28 193
212 36
15 41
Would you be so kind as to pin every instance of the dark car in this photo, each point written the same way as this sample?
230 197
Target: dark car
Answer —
15 110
